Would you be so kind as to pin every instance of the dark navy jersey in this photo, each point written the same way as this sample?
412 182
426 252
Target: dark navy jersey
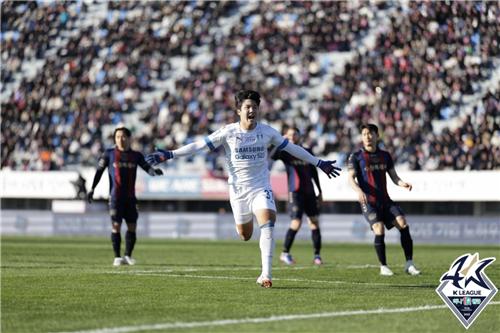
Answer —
122 170
370 170
300 173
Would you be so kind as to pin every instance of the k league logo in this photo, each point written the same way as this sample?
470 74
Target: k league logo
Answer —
466 289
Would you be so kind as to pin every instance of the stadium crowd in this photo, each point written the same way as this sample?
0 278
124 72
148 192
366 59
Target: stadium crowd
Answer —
426 61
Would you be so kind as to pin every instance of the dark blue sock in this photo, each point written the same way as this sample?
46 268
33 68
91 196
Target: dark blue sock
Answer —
289 238
316 238
116 240
380 248
130 238
407 243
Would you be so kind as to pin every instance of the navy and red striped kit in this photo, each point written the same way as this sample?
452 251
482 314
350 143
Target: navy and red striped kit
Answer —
301 194
370 170
300 173
122 170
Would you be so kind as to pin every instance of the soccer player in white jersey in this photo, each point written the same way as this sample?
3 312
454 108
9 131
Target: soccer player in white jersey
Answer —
245 143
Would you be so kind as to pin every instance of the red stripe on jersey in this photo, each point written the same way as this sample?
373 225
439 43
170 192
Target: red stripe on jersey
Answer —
118 178
130 177
297 180
371 180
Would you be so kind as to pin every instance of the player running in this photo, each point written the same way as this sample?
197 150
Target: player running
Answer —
367 169
301 198
122 163
245 143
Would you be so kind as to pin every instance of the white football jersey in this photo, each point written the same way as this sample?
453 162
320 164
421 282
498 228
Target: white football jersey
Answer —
246 152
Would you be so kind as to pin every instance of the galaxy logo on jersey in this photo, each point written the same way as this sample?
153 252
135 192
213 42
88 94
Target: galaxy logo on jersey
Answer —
249 153
466 289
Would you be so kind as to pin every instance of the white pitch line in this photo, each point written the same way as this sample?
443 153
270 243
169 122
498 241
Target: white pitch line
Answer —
218 277
166 326
225 269
255 268
217 269
366 266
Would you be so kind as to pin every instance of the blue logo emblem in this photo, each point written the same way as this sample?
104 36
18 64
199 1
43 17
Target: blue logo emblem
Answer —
466 289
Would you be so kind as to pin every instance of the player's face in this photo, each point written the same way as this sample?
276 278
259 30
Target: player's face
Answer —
292 135
369 139
122 141
248 114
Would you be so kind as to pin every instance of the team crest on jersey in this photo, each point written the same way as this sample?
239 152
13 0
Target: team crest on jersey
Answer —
466 289
245 140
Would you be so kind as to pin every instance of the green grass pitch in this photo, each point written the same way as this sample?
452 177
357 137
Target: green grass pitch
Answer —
69 284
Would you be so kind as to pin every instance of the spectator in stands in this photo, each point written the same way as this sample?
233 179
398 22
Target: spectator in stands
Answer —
60 73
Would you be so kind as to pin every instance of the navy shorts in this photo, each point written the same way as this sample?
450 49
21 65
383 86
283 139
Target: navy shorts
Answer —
123 210
381 213
298 204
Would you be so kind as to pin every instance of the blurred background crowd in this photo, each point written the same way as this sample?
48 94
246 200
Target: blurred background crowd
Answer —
427 73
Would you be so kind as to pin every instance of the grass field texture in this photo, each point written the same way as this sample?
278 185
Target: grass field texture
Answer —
69 284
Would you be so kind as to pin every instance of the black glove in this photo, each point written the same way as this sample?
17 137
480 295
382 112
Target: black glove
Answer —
90 196
329 168
159 156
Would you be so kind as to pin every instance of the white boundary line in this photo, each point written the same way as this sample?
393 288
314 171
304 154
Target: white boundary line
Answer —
221 277
166 326
255 268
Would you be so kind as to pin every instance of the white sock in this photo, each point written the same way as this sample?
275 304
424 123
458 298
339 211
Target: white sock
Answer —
267 248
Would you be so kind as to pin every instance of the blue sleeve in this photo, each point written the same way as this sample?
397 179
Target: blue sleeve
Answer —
282 145
209 143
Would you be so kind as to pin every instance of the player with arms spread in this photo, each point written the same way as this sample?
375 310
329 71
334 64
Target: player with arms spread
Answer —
367 168
301 198
122 163
246 143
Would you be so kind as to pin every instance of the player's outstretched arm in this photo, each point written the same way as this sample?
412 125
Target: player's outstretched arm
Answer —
327 167
396 180
148 168
160 155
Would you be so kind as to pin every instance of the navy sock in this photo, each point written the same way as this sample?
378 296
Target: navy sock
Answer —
116 240
407 243
130 238
380 248
290 236
316 238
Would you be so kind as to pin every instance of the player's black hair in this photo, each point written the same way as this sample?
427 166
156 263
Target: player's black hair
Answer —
371 127
124 130
295 128
246 94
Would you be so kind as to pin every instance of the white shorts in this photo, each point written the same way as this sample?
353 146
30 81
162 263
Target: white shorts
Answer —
245 201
